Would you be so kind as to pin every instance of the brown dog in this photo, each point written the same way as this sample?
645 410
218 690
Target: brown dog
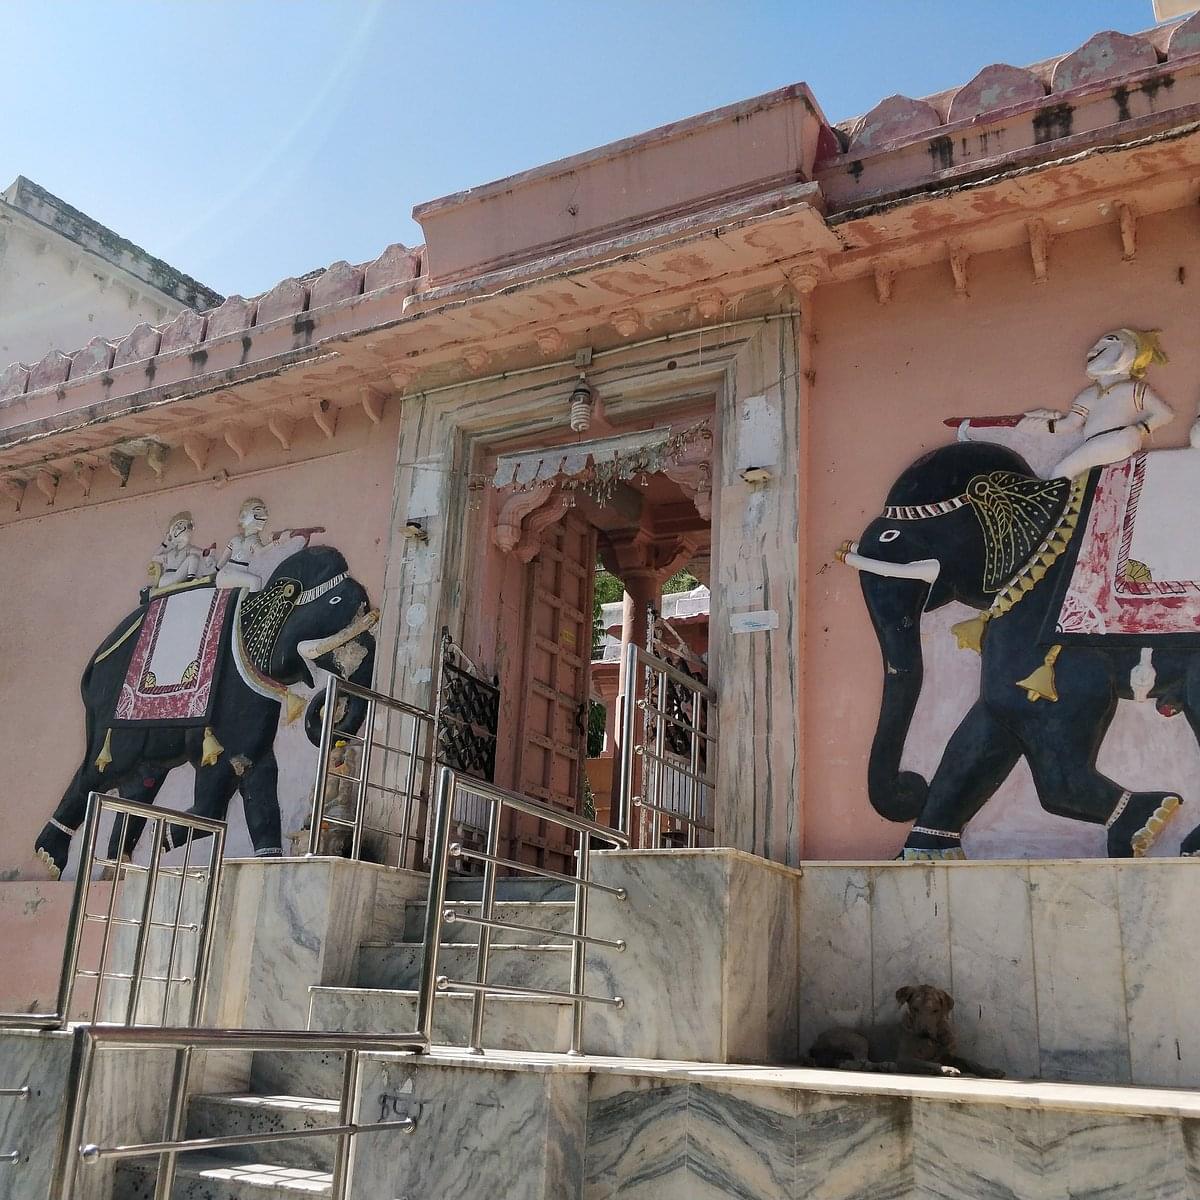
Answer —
922 1043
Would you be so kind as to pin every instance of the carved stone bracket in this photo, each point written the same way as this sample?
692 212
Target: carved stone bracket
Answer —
525 516
692 471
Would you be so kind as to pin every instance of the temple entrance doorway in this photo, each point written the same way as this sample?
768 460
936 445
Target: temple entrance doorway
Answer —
632 507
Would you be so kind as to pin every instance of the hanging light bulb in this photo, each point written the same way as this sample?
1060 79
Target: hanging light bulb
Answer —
581 402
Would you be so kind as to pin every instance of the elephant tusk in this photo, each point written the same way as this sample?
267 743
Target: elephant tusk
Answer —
927 569
315 649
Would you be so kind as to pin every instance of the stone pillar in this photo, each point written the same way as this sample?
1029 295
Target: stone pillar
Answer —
757 621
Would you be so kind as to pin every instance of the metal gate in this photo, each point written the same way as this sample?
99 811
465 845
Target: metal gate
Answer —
668 744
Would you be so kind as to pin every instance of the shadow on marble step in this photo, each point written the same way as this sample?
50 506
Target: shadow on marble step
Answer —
509 888
216 1177
553 916
398 964
220 1116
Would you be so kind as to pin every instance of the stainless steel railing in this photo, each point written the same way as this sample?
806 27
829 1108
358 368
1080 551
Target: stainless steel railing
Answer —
449 786
13 1157
351 773
74 1149
668 753
173 971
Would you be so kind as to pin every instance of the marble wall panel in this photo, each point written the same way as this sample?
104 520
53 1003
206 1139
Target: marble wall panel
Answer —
719 928
636 1140
31 1127
675 927
1071 970
1158 904
835 954
853 1147
992 975
1082 1018
910 934
761 973
512 1134
741 1142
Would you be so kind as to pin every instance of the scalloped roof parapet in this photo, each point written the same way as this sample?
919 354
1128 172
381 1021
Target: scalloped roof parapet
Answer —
1185 38
397 264
236 314
54 368
184 330
1103 56
97 355
995 87
14 379
891 119
287 298
339 281
141 342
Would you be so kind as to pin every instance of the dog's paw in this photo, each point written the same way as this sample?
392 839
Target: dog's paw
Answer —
951 1071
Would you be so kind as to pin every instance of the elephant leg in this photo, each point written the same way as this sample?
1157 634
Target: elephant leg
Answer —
1069 785
142 786
109 758
215 786
978 757
260 803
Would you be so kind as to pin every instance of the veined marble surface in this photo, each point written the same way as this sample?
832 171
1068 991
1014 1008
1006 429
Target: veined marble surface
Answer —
398 964
482 1132
31 1127
710 970
1072 970
286 925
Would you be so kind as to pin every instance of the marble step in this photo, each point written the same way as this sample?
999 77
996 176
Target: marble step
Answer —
220 1116
552 916
393 965
509 887
510 1023
217 1177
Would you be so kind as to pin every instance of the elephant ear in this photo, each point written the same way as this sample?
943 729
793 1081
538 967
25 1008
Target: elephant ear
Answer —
262 615
1015 513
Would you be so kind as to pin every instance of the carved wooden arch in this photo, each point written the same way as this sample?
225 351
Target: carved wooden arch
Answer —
525 516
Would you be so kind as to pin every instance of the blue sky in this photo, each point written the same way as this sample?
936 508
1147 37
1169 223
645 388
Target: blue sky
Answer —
247 141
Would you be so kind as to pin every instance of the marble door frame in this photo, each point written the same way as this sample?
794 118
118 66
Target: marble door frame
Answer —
755 563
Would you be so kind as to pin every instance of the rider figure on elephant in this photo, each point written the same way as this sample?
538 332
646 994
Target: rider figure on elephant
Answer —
1117 412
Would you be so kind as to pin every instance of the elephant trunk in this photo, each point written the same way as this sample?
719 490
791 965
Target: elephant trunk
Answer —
353 661
895 606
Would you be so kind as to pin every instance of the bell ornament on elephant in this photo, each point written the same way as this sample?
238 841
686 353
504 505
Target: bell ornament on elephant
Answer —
201 674
972 523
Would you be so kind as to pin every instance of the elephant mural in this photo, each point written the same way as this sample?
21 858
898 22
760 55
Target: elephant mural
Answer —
250 647
971 522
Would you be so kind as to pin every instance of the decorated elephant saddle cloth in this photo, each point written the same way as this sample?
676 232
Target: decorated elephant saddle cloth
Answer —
1137 569
173 674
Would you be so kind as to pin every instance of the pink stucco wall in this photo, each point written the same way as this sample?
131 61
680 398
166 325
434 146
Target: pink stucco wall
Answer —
71 575
886 376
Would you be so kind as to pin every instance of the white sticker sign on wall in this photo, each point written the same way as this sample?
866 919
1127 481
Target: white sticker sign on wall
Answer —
754 622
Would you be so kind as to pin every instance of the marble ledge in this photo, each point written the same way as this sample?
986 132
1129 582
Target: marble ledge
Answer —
727 852
1003 1093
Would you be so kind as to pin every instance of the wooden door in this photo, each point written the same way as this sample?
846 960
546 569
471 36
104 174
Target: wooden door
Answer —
552 730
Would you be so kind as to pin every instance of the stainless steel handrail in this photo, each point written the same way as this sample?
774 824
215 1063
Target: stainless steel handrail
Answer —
12 1157
73 1150
449 783
136 975
645 755
370 748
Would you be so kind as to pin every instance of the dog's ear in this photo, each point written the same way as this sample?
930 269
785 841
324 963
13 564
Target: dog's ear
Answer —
904 994
949 1001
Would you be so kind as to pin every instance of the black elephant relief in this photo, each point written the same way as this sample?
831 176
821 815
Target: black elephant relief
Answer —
972 523
221 710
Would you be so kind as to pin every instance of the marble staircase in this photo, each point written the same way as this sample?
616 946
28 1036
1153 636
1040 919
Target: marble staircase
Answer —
275 1171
